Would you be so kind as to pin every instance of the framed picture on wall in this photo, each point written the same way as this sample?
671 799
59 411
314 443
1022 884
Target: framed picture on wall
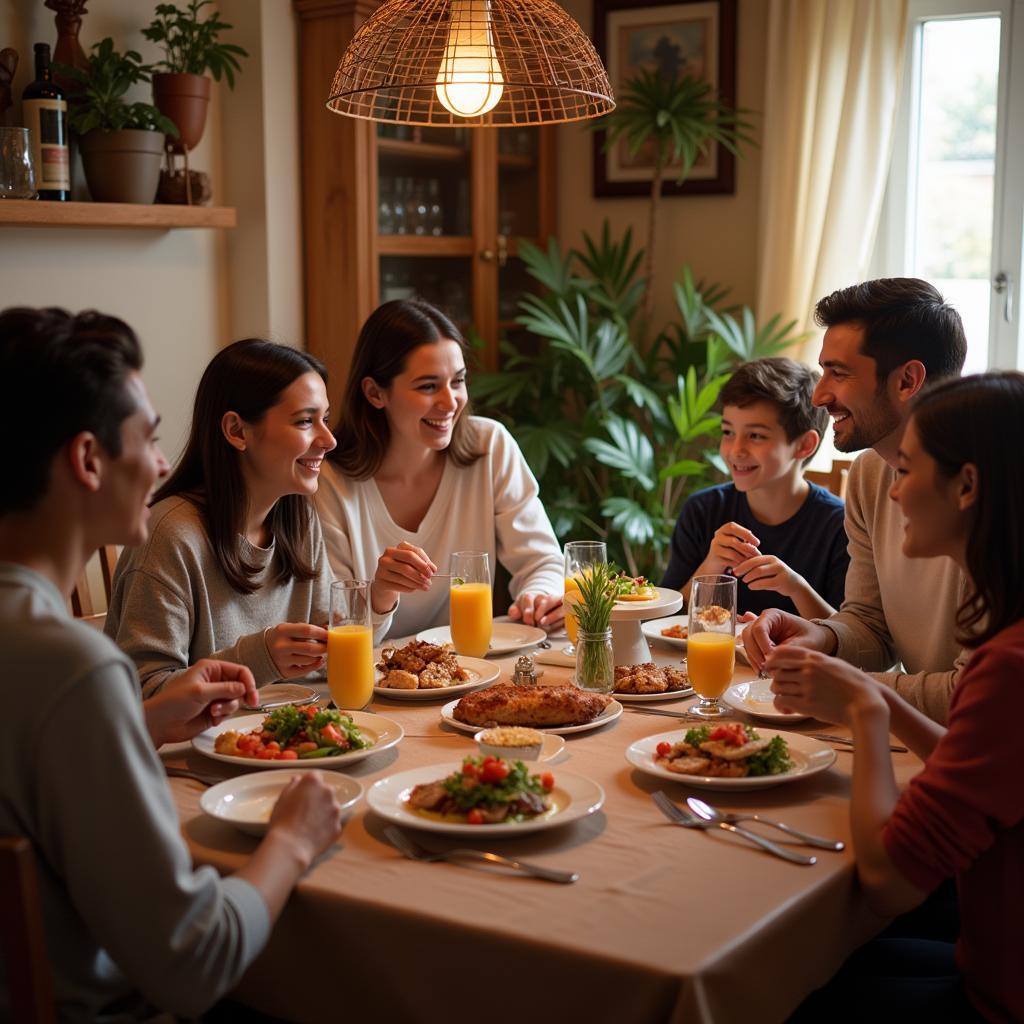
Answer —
674 37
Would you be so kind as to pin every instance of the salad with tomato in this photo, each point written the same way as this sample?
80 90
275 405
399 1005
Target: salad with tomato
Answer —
293 733
633 588
485 791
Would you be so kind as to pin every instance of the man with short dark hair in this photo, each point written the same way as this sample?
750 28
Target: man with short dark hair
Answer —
129 923
884 341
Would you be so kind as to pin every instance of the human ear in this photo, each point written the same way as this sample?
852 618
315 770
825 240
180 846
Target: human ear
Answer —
86 460
374 393
232 426
806 445
967 492
910 378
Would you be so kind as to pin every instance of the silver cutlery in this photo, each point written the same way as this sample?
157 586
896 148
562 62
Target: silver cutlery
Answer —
680 817
408 848
709 813
187 773
689 716
847 741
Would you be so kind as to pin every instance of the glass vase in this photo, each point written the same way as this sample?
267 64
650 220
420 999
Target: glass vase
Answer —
595 666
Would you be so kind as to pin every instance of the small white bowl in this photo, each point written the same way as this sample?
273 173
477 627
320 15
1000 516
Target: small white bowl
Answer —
511 752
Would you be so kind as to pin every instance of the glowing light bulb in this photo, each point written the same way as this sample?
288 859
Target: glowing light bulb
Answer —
469 81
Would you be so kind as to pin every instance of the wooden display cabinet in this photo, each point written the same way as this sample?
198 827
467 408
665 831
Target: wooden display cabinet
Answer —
392 211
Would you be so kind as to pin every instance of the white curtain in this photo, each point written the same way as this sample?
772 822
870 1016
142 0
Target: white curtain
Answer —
832 81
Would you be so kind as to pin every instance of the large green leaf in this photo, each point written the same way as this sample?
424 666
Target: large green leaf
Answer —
630 451
630 518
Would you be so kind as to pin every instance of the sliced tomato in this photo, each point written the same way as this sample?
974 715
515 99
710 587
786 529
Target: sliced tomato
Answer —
547 780
494 771
664 749
287 755
474 817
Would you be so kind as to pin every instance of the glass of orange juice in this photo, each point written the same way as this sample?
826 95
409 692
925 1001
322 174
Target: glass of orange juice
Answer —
580 555
470 603
711 645
350 645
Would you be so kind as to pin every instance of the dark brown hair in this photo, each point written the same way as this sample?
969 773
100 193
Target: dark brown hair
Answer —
63 374
247 378
903 318
787 385
979 420
390 333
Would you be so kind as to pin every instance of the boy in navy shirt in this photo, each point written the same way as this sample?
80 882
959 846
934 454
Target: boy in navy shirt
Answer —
781 536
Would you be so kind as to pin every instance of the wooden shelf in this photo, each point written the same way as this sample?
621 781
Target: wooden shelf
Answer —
434 152
36 213
425 245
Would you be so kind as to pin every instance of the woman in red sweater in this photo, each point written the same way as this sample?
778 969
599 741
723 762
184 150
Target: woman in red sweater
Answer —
960 486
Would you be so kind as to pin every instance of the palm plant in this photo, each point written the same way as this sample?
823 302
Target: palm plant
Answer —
682 118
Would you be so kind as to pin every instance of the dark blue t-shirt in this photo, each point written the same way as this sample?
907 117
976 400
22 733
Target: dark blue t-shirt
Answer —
812 542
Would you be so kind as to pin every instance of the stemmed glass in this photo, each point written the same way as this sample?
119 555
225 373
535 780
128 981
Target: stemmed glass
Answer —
470 603
711 645
350 645
580 556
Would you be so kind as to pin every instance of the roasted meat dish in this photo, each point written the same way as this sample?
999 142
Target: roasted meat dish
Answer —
508 704
649 678
419 665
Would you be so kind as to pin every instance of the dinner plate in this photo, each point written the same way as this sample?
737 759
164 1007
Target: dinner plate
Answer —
652 629
506 637
574 797
382 731
481 673
809 757
610 713
644 698
756 698
247 801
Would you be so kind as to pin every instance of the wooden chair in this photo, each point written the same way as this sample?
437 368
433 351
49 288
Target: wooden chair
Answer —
833 480
82 604
22 937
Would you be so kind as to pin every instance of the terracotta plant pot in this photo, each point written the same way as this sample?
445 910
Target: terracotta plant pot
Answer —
184 99
124 166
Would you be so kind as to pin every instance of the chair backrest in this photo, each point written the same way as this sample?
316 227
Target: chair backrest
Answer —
22 937
834 479
82 604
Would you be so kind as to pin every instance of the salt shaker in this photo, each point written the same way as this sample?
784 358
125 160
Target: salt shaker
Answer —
524 674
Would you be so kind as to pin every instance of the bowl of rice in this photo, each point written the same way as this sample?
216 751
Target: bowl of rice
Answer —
512 742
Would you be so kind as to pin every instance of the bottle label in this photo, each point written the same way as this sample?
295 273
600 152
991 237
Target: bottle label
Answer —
48 121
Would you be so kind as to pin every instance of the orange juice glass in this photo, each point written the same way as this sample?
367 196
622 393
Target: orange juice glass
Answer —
471 603
350 645
711 646
580 555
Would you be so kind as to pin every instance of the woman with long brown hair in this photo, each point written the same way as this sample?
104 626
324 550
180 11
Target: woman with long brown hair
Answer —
235 565
960 487
415 477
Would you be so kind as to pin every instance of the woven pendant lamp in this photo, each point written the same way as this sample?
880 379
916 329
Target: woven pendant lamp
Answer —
471 63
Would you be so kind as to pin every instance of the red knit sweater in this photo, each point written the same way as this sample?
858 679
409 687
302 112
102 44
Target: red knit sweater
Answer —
963 815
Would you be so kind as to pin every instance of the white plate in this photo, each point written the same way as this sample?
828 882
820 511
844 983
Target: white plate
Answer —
609 714
809 757
382 731
506 637
652 629
481 673
757 699
666 602
247 801
644 698
574 797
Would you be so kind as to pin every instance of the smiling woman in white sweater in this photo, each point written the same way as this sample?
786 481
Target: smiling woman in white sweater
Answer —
415 477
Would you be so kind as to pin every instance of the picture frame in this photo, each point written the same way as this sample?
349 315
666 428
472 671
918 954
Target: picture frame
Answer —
698 36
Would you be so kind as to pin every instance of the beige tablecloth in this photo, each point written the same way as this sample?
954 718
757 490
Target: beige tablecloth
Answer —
665 924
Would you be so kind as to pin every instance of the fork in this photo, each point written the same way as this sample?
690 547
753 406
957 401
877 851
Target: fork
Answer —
187 773
680 817
408 848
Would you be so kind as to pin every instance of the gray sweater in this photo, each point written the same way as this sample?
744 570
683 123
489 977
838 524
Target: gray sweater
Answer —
898 611
172 604
123 909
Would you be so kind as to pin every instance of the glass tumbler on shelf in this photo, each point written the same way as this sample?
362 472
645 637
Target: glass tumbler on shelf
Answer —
595 664
350 672
580 555
17 172
470 603
711 644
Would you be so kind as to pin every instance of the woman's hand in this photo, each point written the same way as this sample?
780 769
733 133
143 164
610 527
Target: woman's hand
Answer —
400 570
811 683
200 697
308 813
545 610
775 628
296 648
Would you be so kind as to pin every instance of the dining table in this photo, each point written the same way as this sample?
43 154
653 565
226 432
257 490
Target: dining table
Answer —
665 924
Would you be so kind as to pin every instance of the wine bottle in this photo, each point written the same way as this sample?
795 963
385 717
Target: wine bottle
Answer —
45 112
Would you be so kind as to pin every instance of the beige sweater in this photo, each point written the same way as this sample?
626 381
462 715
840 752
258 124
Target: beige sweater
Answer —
899 612
172 604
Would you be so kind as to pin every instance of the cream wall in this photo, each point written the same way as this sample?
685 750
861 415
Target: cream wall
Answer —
187 293
715 235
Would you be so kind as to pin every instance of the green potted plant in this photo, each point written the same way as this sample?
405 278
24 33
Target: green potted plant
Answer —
121 142
192 46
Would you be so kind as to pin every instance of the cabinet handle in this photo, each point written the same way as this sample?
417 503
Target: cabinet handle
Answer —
487 255
1002 285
